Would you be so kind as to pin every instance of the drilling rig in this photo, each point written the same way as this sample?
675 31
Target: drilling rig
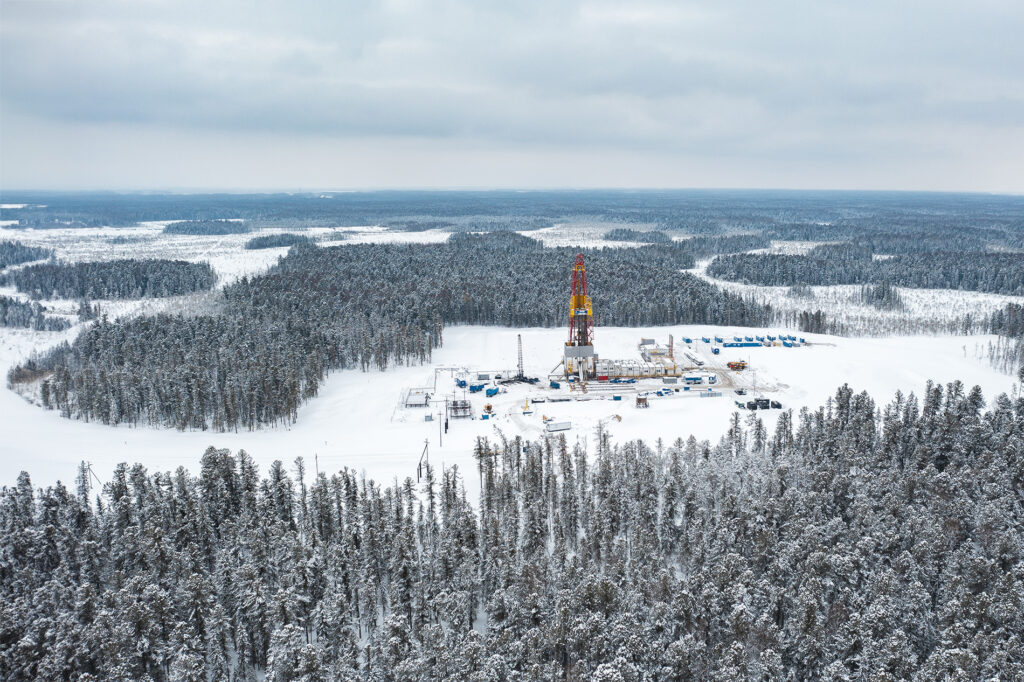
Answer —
580 359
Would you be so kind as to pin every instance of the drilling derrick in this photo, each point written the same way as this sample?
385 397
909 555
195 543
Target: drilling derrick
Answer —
580 359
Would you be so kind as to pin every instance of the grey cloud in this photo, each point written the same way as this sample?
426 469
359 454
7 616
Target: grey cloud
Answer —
791 81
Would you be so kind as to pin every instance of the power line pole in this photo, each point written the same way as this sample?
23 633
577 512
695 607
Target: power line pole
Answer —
519 341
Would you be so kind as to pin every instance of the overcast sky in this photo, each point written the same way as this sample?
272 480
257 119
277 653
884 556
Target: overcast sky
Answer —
510 93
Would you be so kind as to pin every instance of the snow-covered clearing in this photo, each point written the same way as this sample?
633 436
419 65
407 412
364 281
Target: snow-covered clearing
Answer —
358 420
226 253
589 234
932 311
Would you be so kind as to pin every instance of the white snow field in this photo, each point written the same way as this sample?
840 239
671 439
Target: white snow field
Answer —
358 420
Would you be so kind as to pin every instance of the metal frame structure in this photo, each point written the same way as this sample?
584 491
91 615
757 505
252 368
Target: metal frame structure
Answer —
580 358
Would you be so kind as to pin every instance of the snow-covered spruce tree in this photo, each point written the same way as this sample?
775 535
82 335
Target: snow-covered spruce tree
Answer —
857 539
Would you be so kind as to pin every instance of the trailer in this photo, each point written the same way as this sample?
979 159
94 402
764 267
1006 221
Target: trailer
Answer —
716 351
461 383
719 339
491 392
555 384
705 339
553 426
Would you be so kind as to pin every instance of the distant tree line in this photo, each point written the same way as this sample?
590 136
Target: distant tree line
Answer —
1008 321
883 296
270 241
622 234
127 278
969 220
998 272
15 253
855 541
207 227
1007 354
30 315
367 306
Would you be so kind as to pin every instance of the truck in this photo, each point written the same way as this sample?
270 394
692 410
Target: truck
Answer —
491 392
737 365
719 339
461 383
476 388
705 339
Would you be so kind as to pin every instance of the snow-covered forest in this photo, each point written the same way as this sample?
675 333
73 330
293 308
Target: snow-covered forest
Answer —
856 541
126 278
207 227
28 314
14 253
366 306
1001 273
271 241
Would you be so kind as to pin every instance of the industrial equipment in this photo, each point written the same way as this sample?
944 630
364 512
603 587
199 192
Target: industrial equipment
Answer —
580 358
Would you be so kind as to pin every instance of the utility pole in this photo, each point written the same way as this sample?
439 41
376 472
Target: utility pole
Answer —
519 341
423 458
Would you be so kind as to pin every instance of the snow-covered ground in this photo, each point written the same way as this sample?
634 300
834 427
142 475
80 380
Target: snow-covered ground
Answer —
584 233
925 310
358 420
226 253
